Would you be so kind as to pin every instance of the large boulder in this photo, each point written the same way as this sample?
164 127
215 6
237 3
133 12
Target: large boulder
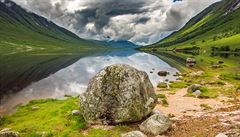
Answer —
117 94
133 134
156 124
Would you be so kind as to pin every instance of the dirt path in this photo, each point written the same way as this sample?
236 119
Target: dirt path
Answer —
192 119
180 105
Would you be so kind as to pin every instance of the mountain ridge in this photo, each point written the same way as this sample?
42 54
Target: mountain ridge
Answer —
217 20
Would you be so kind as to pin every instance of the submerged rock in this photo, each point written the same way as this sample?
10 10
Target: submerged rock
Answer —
133 134
7 132
156 124
163 73
117 94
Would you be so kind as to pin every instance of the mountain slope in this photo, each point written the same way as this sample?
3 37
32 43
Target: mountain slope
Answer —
121 44
219 24
25 31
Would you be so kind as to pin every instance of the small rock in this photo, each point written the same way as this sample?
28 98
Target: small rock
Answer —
216 66
194 88
156 124
163 73
76 112
7 132
42 134
133 134
151 72
178 73
221 62
197 74
188 81
171 115
35 108
197 93
221 135
191 60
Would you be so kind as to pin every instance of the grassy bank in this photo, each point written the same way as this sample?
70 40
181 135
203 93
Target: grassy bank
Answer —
216 81
54 118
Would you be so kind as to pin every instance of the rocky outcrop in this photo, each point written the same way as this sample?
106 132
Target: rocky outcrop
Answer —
133 134
156 124
7 132
117 94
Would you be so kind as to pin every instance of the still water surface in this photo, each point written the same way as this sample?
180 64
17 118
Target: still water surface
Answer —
73 79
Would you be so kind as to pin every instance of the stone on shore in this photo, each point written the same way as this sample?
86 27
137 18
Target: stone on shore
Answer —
156 124
76 112
117 94
133 134
194 88
221 135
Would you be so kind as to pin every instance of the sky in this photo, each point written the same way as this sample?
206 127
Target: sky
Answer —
140 21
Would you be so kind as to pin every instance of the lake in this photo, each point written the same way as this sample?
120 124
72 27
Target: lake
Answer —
72 78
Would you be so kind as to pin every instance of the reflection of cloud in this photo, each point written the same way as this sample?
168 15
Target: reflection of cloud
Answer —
73 80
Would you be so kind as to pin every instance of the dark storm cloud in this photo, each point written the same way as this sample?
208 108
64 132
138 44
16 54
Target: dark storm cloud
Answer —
141 21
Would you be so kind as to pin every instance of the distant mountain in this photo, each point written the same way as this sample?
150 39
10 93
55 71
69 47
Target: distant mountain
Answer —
217 25
21 29
122 44
118 44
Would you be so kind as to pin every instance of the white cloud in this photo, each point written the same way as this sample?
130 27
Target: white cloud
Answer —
140 21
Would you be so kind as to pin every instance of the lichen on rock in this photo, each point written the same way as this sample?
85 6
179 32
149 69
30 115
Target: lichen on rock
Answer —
117 94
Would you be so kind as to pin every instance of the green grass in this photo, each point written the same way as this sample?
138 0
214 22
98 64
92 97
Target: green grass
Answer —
206 106
179 85
162 85
161 96
55 119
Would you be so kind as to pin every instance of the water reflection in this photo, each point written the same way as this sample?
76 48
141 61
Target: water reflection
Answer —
73 80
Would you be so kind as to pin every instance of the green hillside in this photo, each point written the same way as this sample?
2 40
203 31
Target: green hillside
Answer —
32 48
218 25
22 31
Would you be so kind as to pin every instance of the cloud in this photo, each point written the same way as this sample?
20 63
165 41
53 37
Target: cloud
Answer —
140 21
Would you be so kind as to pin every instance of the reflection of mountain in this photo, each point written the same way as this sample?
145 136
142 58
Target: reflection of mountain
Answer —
15 76
117 53
73 79
173 59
